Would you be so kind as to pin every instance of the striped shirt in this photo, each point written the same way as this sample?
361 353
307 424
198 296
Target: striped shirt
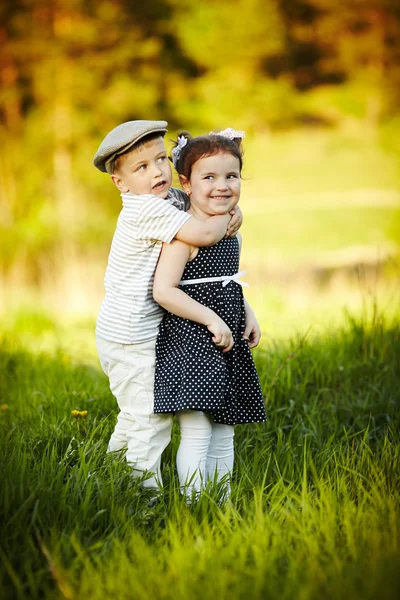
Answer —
129 314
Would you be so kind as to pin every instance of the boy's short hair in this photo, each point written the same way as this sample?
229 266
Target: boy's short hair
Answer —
125 138
119 159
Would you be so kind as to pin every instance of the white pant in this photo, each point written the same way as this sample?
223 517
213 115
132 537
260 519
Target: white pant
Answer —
205 452
145 435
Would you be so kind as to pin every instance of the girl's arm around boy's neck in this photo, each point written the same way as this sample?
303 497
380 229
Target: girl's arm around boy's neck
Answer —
167 277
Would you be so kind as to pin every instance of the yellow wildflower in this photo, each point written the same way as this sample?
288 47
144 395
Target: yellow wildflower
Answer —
4 407
75 413
83 414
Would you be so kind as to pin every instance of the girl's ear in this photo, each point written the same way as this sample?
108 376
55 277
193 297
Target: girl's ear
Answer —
117 181
185 183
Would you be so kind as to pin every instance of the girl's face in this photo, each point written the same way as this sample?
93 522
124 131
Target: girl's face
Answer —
214 185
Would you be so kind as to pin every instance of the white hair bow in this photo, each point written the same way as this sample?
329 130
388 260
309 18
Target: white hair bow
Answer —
176 152
230 133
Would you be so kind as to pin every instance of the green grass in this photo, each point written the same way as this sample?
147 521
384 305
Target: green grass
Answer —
315 505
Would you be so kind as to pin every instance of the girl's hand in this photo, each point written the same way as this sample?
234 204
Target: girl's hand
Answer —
235 223
222 335
252 332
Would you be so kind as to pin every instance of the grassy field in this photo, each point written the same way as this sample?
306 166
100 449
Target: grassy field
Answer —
315 506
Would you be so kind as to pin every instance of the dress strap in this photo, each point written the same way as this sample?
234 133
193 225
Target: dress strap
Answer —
225 279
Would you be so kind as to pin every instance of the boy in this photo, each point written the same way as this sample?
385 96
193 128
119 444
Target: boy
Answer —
133 154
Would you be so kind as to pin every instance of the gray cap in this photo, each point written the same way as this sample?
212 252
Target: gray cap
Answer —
122 138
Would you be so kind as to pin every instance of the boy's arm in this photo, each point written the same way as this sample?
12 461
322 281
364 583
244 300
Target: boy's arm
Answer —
203 233
159 220
171 264
252 332
211 231
180 200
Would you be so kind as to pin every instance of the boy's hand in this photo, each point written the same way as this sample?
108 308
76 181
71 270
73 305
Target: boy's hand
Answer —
222 335
235 223
252 332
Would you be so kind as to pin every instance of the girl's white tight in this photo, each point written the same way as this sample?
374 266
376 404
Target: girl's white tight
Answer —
205 452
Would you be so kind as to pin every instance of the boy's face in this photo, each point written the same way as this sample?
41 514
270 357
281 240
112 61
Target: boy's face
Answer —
145 170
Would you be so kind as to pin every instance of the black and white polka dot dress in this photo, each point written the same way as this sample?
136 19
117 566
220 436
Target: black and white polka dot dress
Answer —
191 372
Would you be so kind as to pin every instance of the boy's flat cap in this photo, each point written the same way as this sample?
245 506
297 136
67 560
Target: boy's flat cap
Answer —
122 138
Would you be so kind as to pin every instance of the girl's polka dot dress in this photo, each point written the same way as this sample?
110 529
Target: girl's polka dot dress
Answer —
191 372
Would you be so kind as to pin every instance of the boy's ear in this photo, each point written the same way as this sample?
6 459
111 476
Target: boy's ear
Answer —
117 181
185 183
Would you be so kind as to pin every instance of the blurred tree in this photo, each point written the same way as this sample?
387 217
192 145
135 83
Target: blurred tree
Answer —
355 42
70 70
229 40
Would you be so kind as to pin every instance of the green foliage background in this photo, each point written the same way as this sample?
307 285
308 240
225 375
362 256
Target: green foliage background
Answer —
72 70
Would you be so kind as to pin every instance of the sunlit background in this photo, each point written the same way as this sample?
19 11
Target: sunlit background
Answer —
316 86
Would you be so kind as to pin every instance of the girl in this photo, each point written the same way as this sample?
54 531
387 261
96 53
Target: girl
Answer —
204 369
